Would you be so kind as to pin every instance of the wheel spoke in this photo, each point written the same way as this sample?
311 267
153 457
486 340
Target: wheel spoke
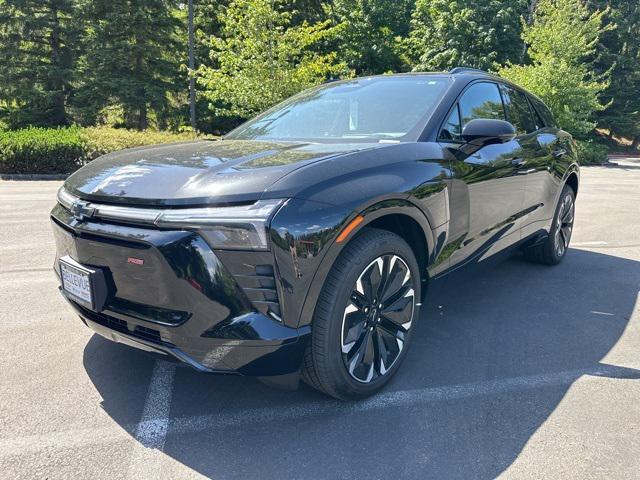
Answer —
401 311
382 361
384 275
361 364
356 359
399 275
353 334
393 341
370 280
358 299
566 235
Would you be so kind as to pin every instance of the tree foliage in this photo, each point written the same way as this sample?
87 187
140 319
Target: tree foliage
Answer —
481 34
619 53
559 70
129 59
38 44
371 40
260 58
123 62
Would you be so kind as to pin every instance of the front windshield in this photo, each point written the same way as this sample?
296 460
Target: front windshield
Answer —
368 109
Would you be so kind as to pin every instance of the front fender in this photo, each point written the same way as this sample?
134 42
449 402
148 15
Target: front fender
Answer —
407 179
303 238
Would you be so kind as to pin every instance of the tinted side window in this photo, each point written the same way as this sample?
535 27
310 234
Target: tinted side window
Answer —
452 129
543 111
518 111
536 116
481 100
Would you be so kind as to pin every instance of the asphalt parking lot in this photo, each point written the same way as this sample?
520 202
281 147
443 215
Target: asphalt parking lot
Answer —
521 371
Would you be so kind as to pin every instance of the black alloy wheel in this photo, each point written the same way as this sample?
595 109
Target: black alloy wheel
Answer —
377 318
564 225
365 316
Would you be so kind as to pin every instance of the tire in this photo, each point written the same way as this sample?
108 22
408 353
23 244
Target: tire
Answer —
348 331
555 246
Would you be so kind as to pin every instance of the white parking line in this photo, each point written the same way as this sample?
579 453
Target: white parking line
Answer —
402 398
152 430
589 244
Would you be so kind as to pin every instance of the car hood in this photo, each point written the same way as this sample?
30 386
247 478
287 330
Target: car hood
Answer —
197 173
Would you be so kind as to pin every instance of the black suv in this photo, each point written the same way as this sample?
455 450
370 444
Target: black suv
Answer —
303 242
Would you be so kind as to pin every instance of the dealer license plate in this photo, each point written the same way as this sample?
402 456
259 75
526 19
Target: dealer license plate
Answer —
76 283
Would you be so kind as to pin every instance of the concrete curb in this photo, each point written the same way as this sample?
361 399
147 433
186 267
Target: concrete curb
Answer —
33 176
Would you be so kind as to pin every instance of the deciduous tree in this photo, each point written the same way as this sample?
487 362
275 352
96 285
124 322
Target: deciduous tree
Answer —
561 40
451 33
260 58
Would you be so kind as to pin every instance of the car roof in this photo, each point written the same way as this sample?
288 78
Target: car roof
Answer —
465 74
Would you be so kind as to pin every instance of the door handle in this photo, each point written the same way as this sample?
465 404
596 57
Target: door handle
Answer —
561 152
518 162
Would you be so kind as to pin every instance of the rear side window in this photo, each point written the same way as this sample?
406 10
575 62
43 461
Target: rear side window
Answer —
543 111
536 116
518 111
481 100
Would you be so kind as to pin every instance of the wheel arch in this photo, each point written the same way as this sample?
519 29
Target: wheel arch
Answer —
573 181
398 216
411 232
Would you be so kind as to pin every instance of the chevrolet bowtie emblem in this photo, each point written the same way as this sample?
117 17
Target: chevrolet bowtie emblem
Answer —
82 210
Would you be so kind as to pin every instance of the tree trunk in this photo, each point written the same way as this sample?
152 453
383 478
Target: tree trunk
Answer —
635 143
531 10
143 119
192 80
56 82
143 116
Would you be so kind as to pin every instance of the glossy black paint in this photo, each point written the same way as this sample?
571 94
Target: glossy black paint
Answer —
455 202
483 132
196 173
182 297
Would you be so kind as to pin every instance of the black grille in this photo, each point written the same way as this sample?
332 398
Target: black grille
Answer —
121 326
260 289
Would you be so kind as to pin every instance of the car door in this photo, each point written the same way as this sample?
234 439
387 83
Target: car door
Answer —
487 193
539 145
542 186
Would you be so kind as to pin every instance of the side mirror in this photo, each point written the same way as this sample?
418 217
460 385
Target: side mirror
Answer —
484 131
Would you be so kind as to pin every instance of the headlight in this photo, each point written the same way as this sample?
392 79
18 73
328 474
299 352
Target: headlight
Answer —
65 198
238 227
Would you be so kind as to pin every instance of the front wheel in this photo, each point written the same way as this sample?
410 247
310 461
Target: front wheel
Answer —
554 248
365 316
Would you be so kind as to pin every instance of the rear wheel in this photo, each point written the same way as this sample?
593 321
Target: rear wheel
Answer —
364 317
554 248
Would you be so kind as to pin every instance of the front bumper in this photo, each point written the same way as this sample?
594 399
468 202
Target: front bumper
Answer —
215 311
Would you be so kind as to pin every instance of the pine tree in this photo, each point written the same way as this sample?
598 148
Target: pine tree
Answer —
132 59
38 42
619 53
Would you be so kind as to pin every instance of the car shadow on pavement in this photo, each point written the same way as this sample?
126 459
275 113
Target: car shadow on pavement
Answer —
493 356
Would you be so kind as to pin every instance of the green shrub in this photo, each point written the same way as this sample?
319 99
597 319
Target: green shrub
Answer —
41 150
590 152
64 150
102 140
